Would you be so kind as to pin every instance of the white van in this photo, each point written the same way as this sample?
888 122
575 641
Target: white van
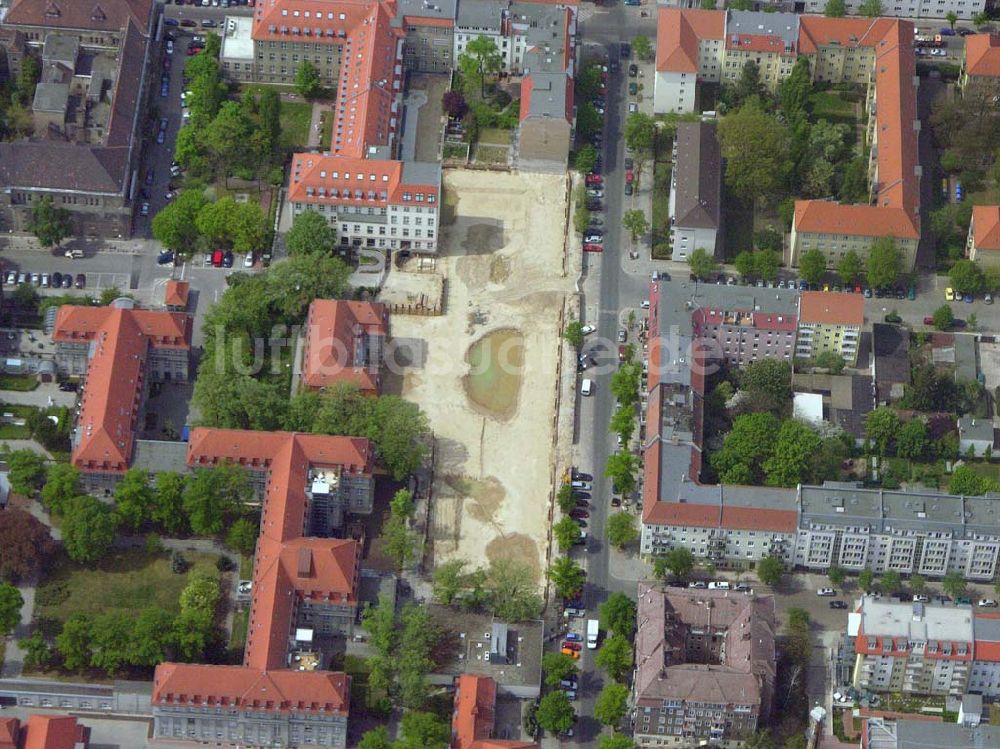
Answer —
75 254
587 387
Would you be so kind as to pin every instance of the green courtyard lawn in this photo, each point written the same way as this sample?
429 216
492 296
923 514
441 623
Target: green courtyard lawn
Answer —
295 120
831 106
495 136
128 580
22 383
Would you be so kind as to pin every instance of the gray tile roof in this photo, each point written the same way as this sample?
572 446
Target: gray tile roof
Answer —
784 25
445 9
480 14
699 176
548 95
921 734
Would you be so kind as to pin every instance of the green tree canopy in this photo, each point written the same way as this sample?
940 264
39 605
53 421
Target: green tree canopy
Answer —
622 468
11 602
835 9
622 530
640 131
702 263
881 427
611 704
242 536
850 267
73 642
26 471
912 441
586 159
511 590
966 277
754 146
49 223
770 569
555 713
642 47
617 614
890 582
812 265
615 657
567 576
418 730
943 317
88 529
566 532
748 444
679 562
175 226
792 460
310 233
866 580
307 80
953 584
557 667
884 262
744 263
635 223
134 498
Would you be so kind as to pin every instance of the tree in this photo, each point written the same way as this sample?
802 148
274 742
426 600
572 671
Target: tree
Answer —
615 657
870 8
836 575
912 441
866 580
884 261
754 146
770 378
567 576
951 16
25 544
110 636
748 84
25 297
310 233
744 263
953 584
890 583
134 498
510 588
88 529
586 159
151 638
50 224
37 653
555 713
966 277
794 450
293 284
835 9
484 52
418 730
73 642
175 226
642 47
943 317
635 222
679 562
557 667
770 570
11 602
450 579
917 583
702 264
242 536
618 614
25 471
750 442
967 482
830 360
621 530
640 130
168 510
611 704
766 263
307 80
211 493
376 738
418 635
588 121
399 542
621 468
850 267
573 334
565 499
812 265
981 19
566 532
881 427
793 91
454 104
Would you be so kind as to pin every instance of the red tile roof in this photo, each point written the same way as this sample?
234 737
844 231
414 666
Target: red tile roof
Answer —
986 227
819 31
333 330
176 294
760 43
831 308
9 730
248 688
982 55
473 719
678 33
338 180
109 407
54 732
96 15
686 514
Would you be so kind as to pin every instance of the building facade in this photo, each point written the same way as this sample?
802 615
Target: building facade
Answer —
983 243
980 77
705 666
925 9
830 322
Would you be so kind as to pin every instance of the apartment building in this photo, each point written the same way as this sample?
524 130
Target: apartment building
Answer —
696 191
344 342
697 45
83 150
118 350
705 666
885 733
924 9
832 322
304 589
430 34
980 77
329 475
474 717
983 243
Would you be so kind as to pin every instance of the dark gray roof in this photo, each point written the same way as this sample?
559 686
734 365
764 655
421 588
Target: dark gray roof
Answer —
758 23
548 95
891 347
965 357
444 9
699 176
480 14
922 734
50 97
421 173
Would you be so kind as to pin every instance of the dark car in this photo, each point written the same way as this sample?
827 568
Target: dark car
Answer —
164 90
209 24
582 495
577 514
170 22
581 522
187 23
838 604
628 188
582 503
165 258
227 259
81 281
581 476
633 70
616 502
928 321
57 280
67 282
625 49
68 387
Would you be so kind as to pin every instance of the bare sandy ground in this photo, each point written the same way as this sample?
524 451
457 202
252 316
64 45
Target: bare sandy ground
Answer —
503 264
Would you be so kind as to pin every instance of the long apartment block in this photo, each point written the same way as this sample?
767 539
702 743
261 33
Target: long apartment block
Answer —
695 46
812 527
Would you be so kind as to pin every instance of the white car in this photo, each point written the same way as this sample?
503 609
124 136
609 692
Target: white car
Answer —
988 603
248 260
594 238
918 598
826 592
170 47
633 107
587 329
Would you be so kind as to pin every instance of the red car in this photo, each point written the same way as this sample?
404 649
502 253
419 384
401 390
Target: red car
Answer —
580 514
595 179
629 176
928 321
575 646
217 258
593 247
621 353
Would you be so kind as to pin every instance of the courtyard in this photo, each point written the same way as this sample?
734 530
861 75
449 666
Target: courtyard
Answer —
486 370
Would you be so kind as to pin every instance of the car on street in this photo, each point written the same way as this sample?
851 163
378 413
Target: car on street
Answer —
838 604
170 195
928 321
187 23
11 277
68 387
170 22
57 280
81 281
594 237
579 514
581 476
572 645
622 335
570 652
44 282
161 137
587 329
826 592
67 281
949 294
570 683
22 278
616 502
593 247
698 584
920 598
967 298
633 88
987 298
209 23
628 188
633 107
227 259
170 47
164 89
144 208
987 603
165 258
581 522
633 70
582 504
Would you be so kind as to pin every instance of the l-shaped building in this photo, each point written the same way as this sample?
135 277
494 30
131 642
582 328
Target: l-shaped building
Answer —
695 46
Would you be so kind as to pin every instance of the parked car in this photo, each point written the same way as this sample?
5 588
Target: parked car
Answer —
633 70
949 294
170 22
594 237
209 24
699 584
68 387
572 645
622 335
81 281
628 188
67 281
920 598
593 247
227 259
165 258
579 514
187 23
144 208
44 281
987 298
838 604
570 652
581 476
572 637
217 258
928 321
57 278
170 47
826 592
11 277
987 603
